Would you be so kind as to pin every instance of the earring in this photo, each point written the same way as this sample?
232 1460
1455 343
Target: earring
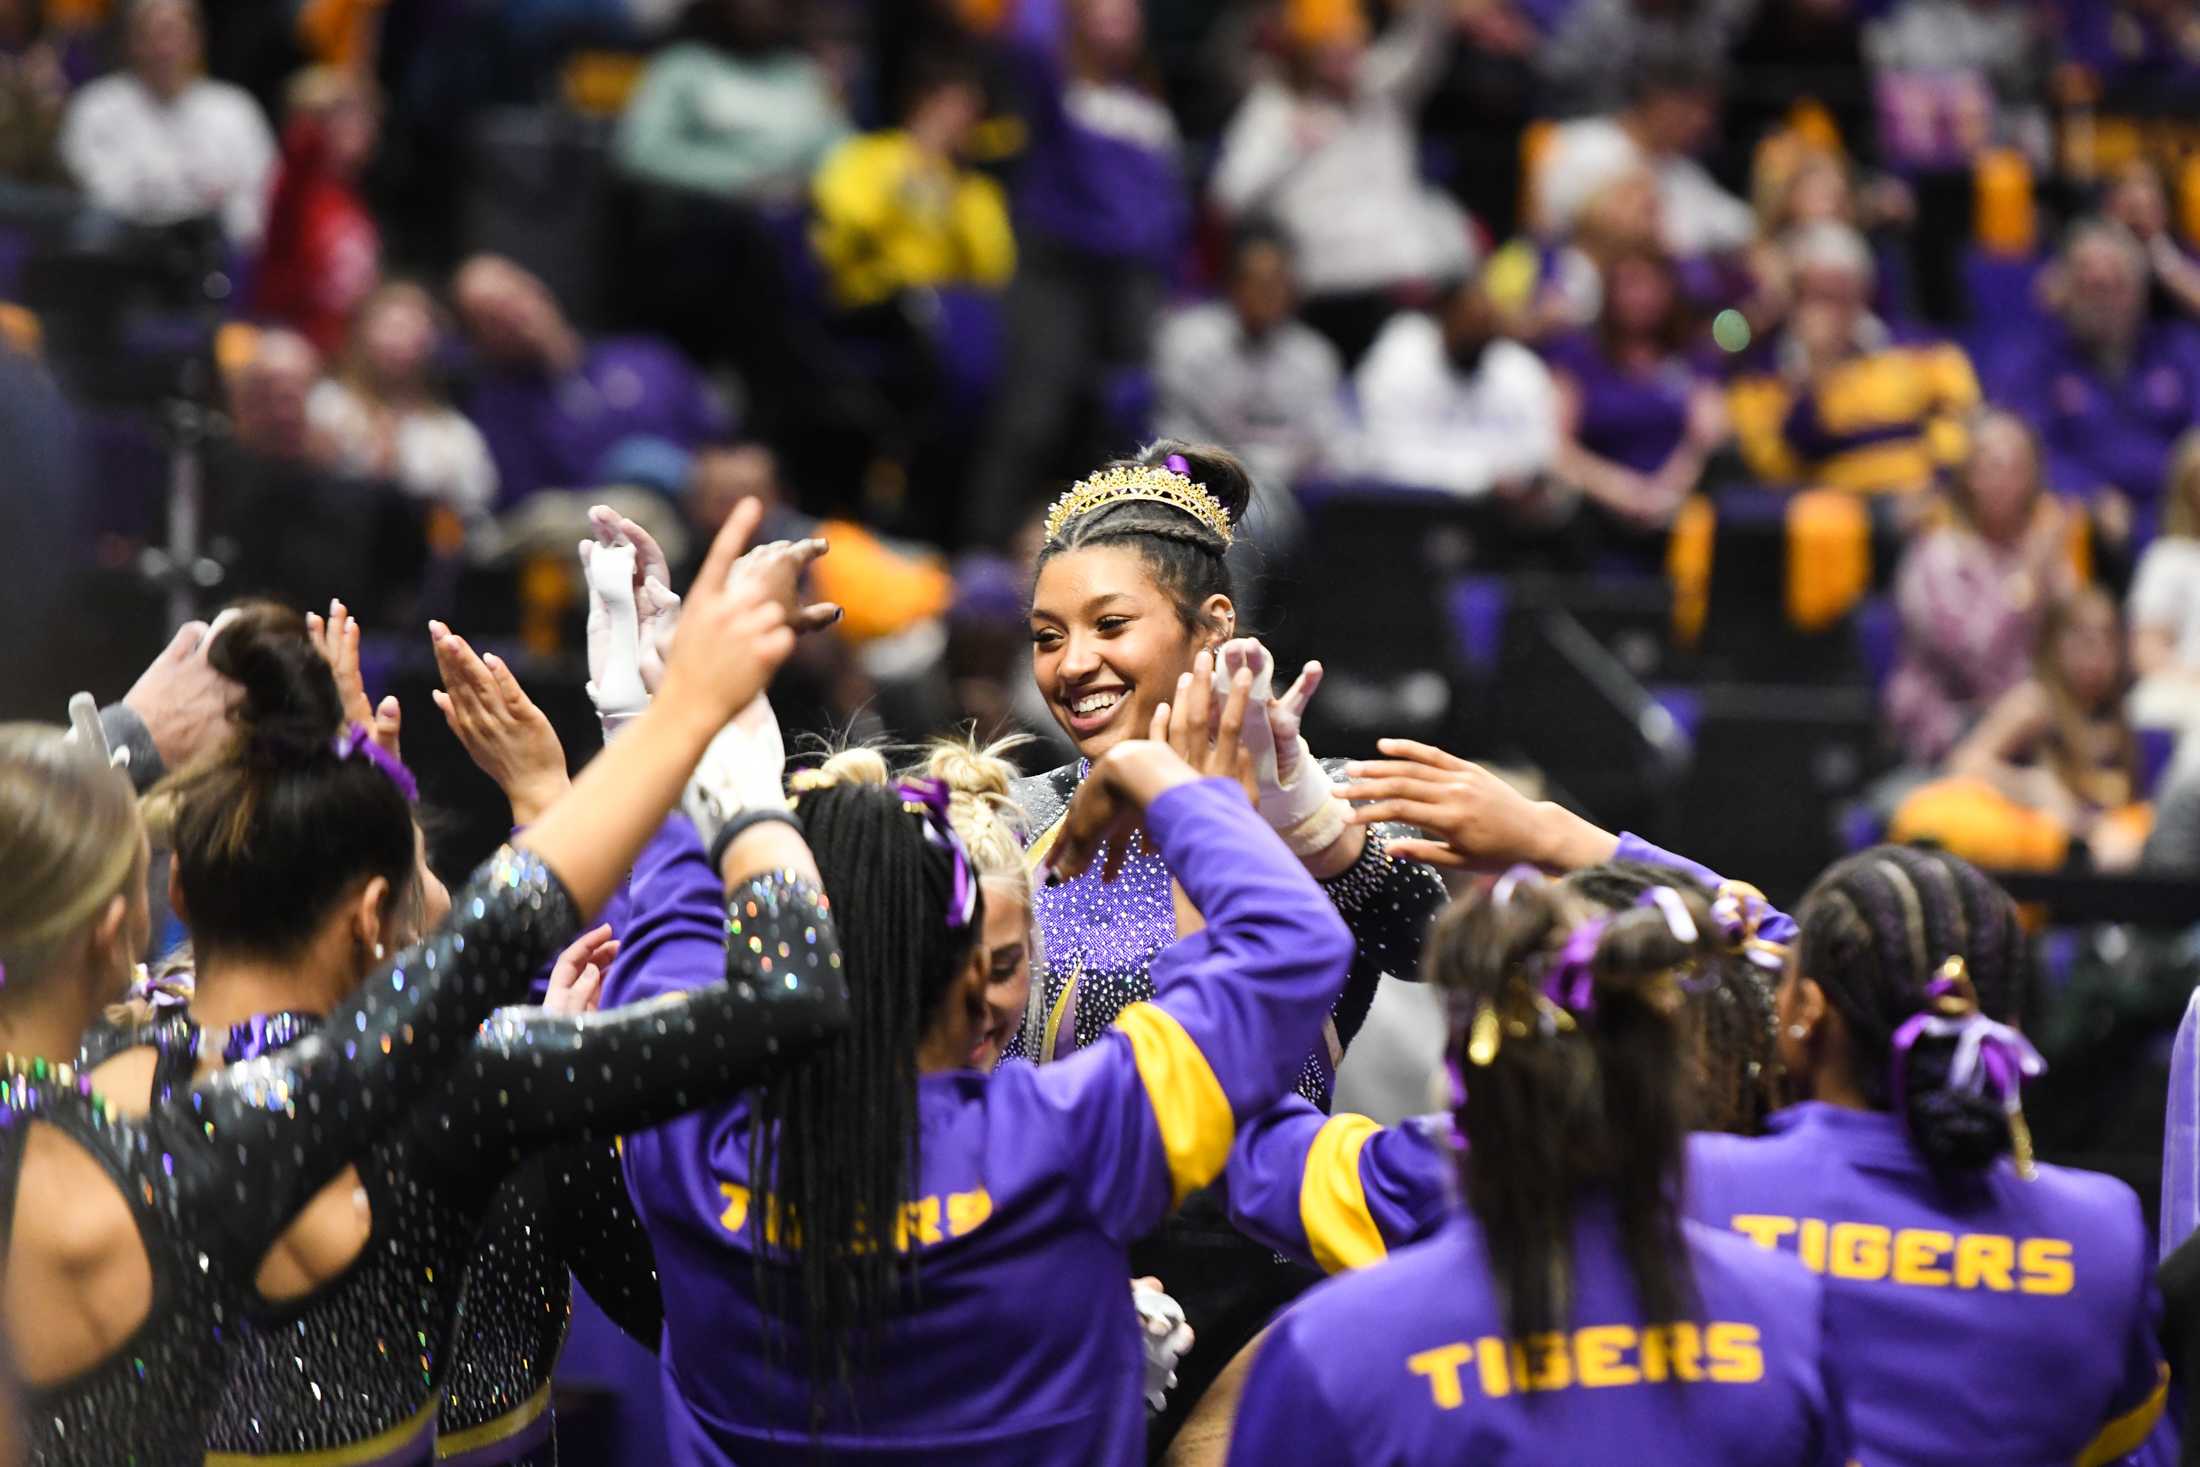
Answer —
1798 1031
380 952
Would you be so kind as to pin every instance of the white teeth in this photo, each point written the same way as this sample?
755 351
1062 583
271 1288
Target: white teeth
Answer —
1096 703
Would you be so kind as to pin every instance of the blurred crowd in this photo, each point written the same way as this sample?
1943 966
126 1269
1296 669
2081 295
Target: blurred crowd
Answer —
1922 272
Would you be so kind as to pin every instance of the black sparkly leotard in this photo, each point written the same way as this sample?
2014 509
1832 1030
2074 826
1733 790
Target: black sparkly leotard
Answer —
218 1170
359 1364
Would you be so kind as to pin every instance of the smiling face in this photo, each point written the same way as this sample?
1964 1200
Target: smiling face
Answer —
1007 947
1108 644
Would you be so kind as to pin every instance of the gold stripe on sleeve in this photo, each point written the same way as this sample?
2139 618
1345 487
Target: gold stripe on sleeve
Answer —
2123 1435
1193 1114
1333 1204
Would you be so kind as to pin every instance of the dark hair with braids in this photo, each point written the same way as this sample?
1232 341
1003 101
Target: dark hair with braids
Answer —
1184 555
833 1139
1732 1017
1554 1119
1877 927
271 829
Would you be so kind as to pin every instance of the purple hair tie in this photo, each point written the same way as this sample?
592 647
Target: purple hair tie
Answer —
1990 1059
1176 464
929 798
1569 980
356 740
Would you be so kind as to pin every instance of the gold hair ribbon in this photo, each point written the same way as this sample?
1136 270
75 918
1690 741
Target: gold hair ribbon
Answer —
1139 481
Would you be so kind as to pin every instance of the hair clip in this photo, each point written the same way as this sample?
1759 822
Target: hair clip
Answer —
355 739
1484 1036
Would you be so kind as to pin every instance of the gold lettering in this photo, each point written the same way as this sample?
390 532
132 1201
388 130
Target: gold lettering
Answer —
1984 1260
737 1206
1600 1356
1490 1359
1441 1367
1671 1352
1554 1366
1810 1245
966 1210
1735 1356
1917 1255
1860 1251
1763 1229
2047 1266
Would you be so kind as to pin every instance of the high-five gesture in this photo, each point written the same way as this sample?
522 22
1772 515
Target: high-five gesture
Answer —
1479 821
1107 809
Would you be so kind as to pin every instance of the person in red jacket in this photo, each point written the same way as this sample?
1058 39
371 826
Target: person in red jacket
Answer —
322 254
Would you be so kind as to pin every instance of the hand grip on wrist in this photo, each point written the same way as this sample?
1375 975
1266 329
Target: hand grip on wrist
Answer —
741 770
614 640
1305 812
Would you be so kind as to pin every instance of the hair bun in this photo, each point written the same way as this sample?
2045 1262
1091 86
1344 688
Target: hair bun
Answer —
290 709
978 773
1220 470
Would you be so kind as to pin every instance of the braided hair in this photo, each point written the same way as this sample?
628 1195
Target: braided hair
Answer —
1877 928
1185 557
833 1150
1559 1106
1731 1010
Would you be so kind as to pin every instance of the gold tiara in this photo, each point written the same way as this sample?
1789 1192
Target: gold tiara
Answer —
1139 481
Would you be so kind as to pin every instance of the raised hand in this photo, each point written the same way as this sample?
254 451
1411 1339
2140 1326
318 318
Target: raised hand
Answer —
1294 788
656 604
504 733
776 568
576 979
614 640
734 631
183 702
336 636
1479 820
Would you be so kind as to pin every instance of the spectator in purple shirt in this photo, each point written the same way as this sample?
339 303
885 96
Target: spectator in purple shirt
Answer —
1100 217
555 405
1638 417
2109 390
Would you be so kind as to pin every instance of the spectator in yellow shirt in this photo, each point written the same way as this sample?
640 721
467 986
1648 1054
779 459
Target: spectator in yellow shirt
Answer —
1847 404
899 210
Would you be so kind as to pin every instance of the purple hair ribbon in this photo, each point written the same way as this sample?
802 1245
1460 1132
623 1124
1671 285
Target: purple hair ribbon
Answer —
1989 1057
1177 465
355 739
146 989
929 798
1738 911
1569 980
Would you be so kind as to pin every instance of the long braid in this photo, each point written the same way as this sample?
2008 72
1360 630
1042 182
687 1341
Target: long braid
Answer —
833 1148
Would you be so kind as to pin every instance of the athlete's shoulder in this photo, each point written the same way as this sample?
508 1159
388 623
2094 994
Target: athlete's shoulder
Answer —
1043 797
2108 1204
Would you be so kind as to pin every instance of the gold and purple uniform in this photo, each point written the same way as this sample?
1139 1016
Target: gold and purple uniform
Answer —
1982 1319
1018 1345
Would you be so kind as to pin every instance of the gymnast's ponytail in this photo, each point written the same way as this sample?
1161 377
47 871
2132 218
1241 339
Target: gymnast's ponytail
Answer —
1911 947
1567 1047
290 813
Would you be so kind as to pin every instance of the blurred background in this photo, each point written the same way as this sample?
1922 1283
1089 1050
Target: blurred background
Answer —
1762 424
